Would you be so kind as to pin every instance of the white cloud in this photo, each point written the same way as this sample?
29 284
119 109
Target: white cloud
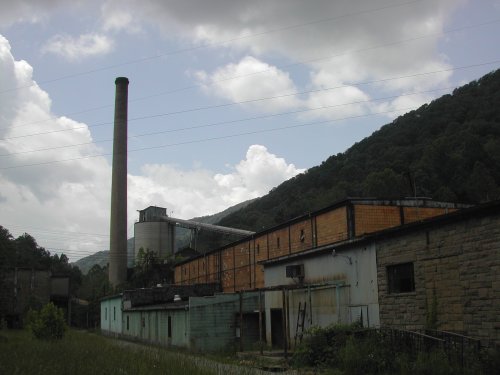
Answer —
68 196
190 193
26 10
74 196
81 47
256 79
114 18
352 41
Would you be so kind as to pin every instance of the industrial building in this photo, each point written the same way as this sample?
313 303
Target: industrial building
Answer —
152 234
25 288
376 261
155 231
196 317
392 263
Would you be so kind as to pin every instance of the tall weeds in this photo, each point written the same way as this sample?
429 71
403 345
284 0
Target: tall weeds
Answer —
81 353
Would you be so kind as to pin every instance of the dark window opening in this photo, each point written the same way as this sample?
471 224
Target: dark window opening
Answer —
114 313
401 278
258 248
169 327
127 323
105 313
302 235
278 242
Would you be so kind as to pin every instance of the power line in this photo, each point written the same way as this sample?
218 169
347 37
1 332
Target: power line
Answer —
226 122
296 93
213 138
35 229
214 44
303 62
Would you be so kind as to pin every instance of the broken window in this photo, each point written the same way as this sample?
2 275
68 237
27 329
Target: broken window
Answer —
400 278
302 235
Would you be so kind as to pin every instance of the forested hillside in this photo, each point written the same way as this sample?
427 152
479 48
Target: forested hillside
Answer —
447 150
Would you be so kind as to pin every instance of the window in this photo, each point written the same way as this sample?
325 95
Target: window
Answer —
114 313
169 327
302 235
400 278
105 313
278 242
127 323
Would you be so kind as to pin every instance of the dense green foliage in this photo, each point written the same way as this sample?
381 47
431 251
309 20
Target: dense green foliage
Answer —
95 285
352 350
24 252
447 150
48 323
80 353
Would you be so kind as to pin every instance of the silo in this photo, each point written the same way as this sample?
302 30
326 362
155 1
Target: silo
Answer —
118 222
152 234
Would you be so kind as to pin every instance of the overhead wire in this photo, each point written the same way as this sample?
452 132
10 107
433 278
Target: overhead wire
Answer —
215 44
212 138
254 132
196 109
303 62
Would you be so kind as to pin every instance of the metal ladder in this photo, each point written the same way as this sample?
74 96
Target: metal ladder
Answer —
301 317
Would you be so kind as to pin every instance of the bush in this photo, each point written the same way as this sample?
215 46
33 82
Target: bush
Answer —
321 346
366 355
48 323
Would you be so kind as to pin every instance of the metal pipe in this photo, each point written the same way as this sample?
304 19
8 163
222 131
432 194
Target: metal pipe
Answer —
283 320
261 342
211 227
241 321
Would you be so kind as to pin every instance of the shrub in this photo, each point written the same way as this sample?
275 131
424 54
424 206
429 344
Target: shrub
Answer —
366 355
48 323
321 346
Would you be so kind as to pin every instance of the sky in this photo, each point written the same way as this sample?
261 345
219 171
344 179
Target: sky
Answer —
227 98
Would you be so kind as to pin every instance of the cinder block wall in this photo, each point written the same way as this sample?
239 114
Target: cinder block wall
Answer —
459 262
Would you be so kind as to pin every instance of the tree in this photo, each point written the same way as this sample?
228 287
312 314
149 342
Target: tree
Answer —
48 323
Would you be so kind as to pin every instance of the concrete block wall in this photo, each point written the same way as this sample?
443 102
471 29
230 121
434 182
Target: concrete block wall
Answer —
459 263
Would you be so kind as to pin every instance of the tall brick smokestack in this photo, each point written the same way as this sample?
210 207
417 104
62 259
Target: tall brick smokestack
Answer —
118 224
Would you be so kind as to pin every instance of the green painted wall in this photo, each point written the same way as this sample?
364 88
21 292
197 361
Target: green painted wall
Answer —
111 315
152 326
214 322
210 323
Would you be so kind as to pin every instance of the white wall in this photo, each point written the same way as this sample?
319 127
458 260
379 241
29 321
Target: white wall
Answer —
352 290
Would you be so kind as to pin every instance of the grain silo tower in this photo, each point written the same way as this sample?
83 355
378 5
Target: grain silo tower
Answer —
151 233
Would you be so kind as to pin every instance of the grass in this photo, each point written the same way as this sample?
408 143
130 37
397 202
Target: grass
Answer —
84 353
